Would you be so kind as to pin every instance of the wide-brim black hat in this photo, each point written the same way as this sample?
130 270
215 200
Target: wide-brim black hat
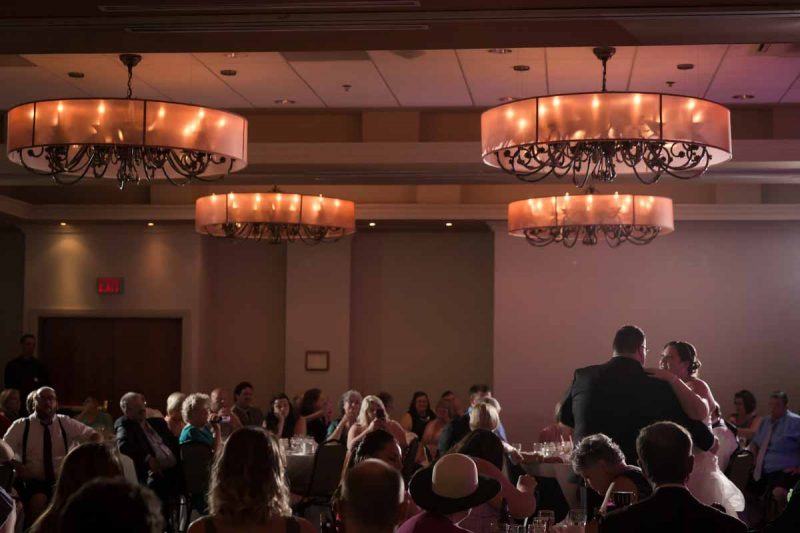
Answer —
421 488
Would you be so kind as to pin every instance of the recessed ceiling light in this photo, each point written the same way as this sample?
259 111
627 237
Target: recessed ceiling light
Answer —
522 68
62 224
235 55
499 50
151 224
685 66
75 74
284 101
743 96
448 224
506 98
228 72
372 224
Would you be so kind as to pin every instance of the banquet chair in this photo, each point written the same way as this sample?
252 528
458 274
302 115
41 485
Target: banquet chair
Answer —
410 460
196 459
740 468
6 476
326 473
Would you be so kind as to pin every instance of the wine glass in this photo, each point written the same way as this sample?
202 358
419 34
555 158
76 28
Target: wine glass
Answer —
576 517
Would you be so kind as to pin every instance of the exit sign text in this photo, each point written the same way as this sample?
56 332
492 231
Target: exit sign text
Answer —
109 285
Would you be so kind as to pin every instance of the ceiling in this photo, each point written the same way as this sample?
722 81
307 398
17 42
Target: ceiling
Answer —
407 79
282 25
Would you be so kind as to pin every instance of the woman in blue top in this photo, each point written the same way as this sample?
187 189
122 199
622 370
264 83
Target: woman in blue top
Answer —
199 428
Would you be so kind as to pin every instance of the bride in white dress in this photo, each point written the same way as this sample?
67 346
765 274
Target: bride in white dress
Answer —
678 367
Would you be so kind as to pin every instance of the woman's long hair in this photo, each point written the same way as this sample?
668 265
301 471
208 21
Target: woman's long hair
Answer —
83 464
272 420
310 397
412 407
483 444
248 485
687 354
365 405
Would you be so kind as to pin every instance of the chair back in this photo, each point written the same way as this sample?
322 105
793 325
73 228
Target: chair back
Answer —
327 470
6 476
740 468
410 460
196 459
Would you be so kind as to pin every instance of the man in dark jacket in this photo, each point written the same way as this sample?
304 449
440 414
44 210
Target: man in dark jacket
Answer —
665 454
152 447
618 398
26 373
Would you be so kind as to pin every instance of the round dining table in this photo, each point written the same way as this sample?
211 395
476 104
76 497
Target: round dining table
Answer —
562 473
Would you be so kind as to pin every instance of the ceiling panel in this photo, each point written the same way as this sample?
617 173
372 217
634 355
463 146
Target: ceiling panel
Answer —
572 70
327 75
262 78
182 78
767 78
654 66
23 84
491 76
420 78
104 75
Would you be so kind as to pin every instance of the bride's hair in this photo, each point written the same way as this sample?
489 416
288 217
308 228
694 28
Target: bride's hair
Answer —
687 353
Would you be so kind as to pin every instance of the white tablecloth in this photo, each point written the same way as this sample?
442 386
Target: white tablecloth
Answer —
561 472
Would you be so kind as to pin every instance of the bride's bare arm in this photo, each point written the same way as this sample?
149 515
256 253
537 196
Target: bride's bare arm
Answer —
693 403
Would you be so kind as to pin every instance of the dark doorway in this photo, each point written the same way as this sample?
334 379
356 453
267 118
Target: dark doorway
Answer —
107 357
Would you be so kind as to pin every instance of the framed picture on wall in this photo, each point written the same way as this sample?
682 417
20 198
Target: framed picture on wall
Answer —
317 361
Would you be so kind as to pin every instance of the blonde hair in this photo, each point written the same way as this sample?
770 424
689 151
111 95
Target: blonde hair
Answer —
175 403
248 485
365 405
193 402
490 400
484 416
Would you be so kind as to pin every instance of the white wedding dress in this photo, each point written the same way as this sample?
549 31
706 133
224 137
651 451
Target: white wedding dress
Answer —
708 484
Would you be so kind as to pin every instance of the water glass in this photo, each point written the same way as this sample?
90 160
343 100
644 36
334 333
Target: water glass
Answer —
576 517
549 516
517 446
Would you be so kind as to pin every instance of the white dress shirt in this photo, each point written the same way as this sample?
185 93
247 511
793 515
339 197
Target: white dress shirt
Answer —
76 432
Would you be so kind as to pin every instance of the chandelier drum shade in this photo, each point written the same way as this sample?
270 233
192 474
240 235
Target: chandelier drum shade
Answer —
275 217
129 139
616 218
594 137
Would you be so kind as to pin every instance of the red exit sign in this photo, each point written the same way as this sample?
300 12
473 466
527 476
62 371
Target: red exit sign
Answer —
110 285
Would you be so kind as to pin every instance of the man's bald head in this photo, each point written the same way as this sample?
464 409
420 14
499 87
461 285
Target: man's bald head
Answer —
373 494
219 400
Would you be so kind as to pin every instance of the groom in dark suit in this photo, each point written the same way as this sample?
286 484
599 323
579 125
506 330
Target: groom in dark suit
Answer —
665 454
618 398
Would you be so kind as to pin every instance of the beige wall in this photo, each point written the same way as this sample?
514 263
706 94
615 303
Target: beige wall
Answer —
318 315
732 289
422 313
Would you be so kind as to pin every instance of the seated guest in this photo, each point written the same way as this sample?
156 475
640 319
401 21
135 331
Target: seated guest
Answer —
220 407
29 400
388 402
728 445
280 420
458 428
776 445
338 429
112 505
430 438
81 465
372 498
40 443
665 453
745 418
447 491
486 449
243 407
555 432
314 413
151 446
373 416
96 418
450 396
418 415
174 417
248 488
381 445
10 404
199 427
602 464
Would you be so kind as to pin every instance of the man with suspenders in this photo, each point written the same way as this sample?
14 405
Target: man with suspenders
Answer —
40 442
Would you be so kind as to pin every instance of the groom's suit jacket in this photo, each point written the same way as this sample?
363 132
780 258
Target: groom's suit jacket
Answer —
618 398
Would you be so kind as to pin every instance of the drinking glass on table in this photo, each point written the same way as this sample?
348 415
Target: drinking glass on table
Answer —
517 446
576 517
549 516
